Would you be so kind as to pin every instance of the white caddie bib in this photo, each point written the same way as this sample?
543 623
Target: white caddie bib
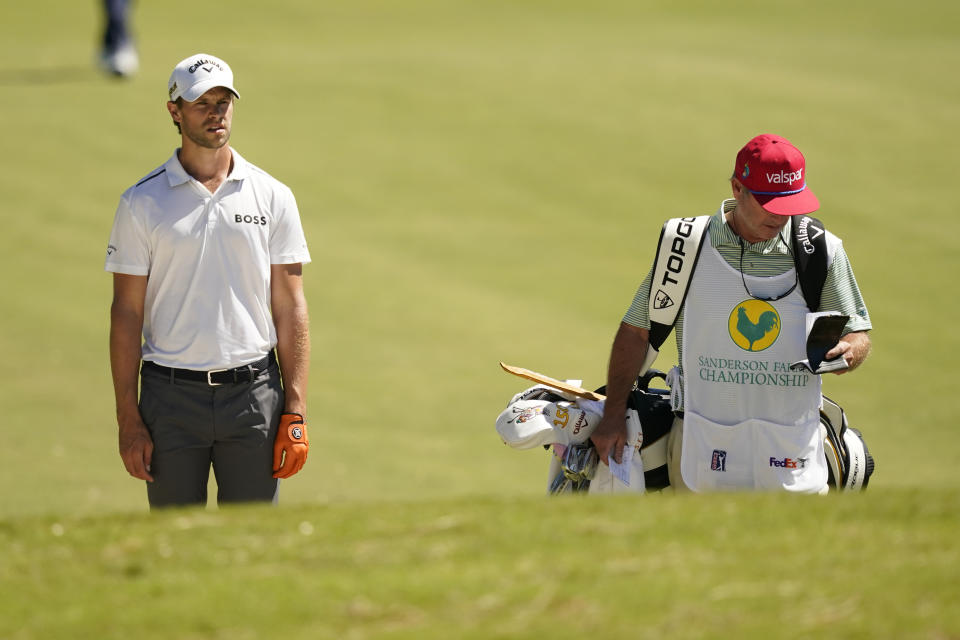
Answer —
750 422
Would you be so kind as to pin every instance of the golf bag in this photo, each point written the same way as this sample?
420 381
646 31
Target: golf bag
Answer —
562 423
557 421
849 461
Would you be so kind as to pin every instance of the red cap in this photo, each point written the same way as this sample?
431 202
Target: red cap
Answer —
774 171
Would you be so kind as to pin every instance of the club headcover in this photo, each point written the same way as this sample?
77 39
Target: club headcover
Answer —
526 424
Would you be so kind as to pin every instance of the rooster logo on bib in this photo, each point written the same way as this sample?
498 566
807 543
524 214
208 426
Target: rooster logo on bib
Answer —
754 325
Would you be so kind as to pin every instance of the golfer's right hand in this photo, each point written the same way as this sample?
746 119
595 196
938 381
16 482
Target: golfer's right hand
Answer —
136 448
610 436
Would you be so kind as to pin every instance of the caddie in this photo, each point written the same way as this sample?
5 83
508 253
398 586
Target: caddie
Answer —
745 419
207 254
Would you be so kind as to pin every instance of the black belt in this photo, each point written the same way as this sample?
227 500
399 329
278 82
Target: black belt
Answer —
215 377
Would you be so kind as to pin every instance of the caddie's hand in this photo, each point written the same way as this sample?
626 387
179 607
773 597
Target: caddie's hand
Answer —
290 446
842 348
854 347
610 436
136 447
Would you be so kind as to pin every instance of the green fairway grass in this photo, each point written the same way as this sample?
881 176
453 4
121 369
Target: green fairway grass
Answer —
726 566
481 181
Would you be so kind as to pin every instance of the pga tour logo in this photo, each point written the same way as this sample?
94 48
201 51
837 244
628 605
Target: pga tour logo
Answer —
785 177
719 460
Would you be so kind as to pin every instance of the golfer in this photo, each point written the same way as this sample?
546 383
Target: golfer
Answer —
206 253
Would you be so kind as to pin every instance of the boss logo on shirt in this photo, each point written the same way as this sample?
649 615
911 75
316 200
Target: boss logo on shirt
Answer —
248 219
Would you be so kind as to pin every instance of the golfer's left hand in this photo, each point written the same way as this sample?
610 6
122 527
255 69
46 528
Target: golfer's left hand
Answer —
290 446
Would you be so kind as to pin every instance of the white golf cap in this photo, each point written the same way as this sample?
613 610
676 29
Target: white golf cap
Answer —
194 76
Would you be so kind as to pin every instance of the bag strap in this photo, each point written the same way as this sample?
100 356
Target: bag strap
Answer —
678 250
809 240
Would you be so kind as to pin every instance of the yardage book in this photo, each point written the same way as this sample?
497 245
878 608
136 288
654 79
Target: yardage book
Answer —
824 330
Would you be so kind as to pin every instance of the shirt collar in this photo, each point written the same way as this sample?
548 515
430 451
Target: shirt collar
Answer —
722 235
177 175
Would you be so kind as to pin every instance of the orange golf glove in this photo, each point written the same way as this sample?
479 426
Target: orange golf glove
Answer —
290 446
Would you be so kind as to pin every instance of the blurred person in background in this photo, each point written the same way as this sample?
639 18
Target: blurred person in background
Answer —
118 54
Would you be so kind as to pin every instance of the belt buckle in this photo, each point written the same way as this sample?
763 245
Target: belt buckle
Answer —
211 382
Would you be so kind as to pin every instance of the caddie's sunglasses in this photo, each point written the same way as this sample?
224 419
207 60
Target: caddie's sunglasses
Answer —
744 279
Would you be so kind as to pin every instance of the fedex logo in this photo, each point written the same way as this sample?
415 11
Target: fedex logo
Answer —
785 177
788 463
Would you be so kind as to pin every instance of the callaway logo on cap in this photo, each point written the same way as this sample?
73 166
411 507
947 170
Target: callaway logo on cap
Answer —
774 171
194 76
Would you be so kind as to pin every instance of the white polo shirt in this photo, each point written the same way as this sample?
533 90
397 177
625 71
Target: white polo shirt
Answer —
208 258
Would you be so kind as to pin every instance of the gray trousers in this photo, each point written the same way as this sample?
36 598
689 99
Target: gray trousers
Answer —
194 425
